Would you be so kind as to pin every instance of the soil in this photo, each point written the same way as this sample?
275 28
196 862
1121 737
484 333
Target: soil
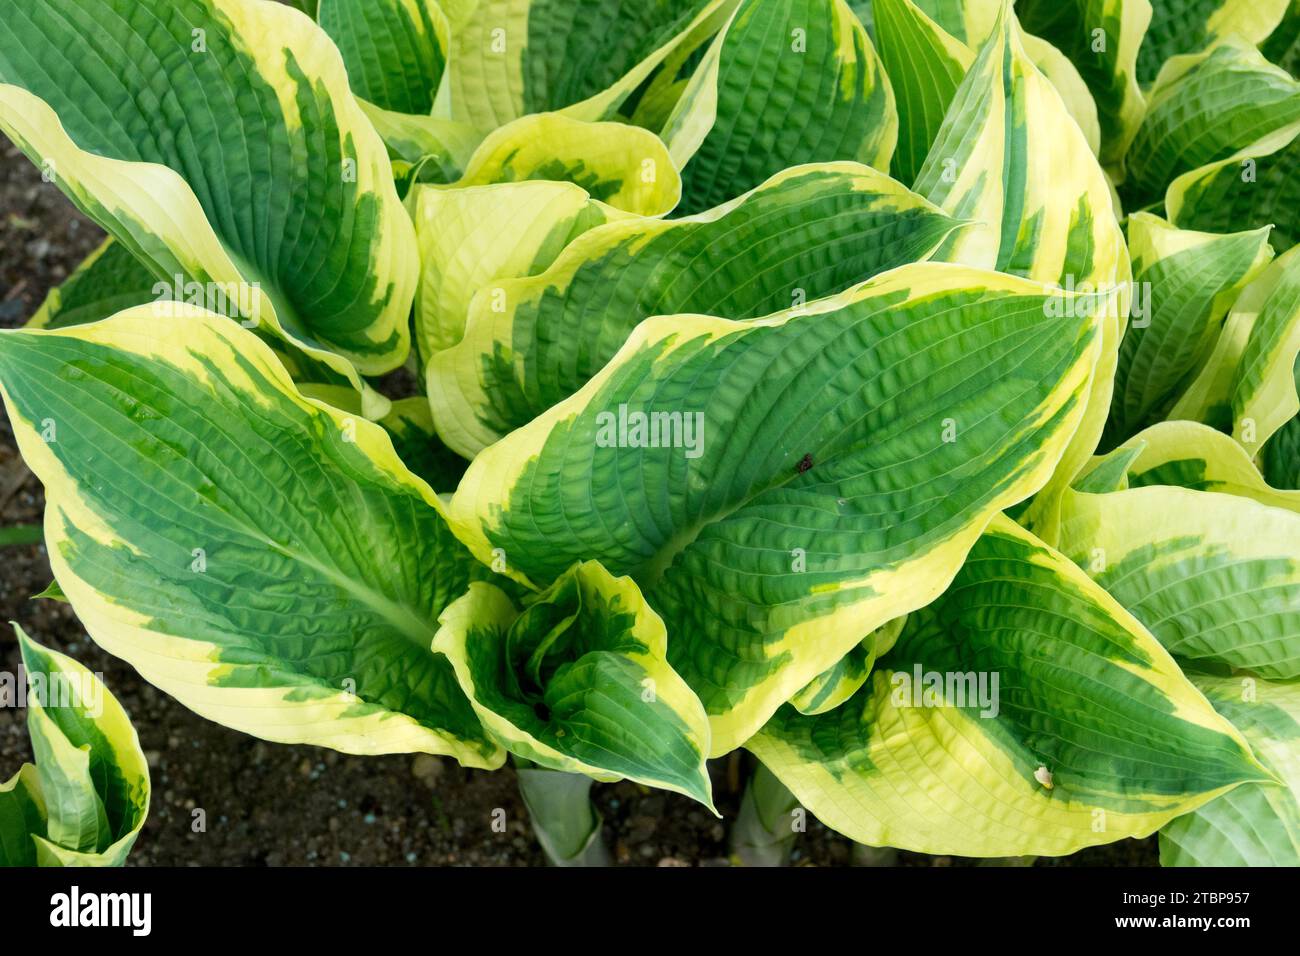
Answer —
271 804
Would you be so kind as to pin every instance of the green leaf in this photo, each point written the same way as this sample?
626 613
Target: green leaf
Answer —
1195 456
764 832
1101 38
1109 472
510 58
842 679
624 166
21 535
285 571
1186 26
52 592
1254 187
1283 44
394 50
1249 383
1204 108
472 237
1214 577
410 425
1091 733
1184 282
578 680
22 814
784 84
1255 824
1281 456
1010 157
876 432
530 342
91 781
109 280
218 141
925 66
563 817
415 441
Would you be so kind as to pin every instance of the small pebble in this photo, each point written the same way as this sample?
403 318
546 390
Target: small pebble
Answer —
427 769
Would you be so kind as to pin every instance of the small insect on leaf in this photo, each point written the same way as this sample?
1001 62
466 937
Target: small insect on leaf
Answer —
805 464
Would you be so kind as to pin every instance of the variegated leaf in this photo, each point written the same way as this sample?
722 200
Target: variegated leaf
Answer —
394 50
842 679
1101 38
1248 384
284 573
1215 577
1010 157
1184 282
510 58
1204 108
1179 26
783 85
1254 187
809 232
109 280
781 488
626 167
1023 712
577 679
473 237
219 142
1195 456
87 797
1255 824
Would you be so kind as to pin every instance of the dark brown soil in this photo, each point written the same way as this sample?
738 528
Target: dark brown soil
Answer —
291 805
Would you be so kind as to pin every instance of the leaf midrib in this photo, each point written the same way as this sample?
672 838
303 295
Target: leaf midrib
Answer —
403 619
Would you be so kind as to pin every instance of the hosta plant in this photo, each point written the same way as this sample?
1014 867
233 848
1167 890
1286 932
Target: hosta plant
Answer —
902 391
85 799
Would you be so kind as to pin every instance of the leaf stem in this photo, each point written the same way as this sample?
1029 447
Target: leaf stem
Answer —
20 535
764 832
566 823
